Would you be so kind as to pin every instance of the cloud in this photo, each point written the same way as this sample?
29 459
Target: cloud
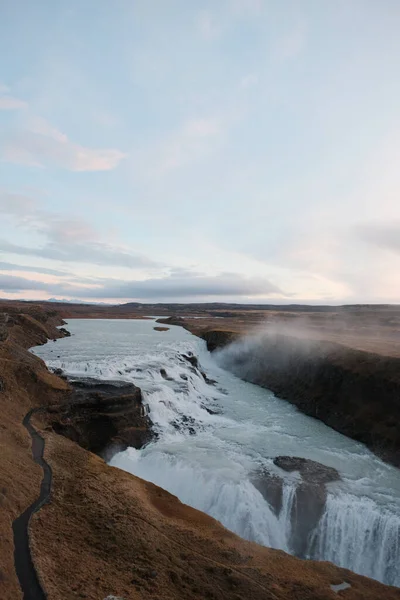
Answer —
41 144
16 204
66 239
226 284
11 283
95 253
11 103
382 235
197 286
6 266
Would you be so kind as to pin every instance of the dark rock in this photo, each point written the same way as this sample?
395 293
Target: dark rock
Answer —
353 391
311 471
65 332
60 373
165 375
132 437
211 411
174 320
193 360
310 495
307 510
207 379
271 487
218 339
100 414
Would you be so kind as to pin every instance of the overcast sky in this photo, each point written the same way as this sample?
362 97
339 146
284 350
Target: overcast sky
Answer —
221 150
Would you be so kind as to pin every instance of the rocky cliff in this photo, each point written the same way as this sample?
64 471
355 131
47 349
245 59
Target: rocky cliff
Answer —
108 534
352 391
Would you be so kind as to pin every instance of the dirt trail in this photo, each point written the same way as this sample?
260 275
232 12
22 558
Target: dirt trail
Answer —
26 572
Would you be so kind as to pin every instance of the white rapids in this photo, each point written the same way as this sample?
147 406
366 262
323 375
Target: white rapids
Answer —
212 438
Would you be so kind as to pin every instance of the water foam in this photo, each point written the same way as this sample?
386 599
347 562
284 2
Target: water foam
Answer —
355 533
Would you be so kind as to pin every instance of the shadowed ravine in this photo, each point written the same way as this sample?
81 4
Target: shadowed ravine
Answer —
26 572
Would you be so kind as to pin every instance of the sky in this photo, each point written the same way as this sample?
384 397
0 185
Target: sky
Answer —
226 151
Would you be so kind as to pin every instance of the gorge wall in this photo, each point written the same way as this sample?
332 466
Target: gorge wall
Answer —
355 392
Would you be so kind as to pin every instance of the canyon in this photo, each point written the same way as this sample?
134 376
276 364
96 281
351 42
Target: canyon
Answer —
106 532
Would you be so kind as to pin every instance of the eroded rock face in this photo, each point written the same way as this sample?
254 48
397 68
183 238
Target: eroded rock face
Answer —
353 391
102 414
218 338
271 487
65 332
310 495
310 470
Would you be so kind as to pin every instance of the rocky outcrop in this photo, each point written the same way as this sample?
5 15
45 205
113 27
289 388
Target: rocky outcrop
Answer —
354 392
216 338
310 495
101 415
173 320
310 470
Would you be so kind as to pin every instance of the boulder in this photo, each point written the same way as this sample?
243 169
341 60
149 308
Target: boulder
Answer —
310 470
103 414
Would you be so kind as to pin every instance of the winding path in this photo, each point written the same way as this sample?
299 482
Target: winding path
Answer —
28 578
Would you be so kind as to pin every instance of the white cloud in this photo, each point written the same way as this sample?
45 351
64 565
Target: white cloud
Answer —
192 286
64 239
41 144
11 103
384 235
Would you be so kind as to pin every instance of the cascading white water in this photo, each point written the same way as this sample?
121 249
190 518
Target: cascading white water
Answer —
232 500
355 532
212 439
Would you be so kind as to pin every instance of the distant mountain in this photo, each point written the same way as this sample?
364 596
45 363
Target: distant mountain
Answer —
64 301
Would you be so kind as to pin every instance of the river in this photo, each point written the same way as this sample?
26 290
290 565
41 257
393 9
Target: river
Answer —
213 438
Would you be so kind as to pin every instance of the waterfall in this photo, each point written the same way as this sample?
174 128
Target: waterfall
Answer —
213 438
233 501
356 534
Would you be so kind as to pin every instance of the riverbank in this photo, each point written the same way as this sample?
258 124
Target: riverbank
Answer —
106 532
